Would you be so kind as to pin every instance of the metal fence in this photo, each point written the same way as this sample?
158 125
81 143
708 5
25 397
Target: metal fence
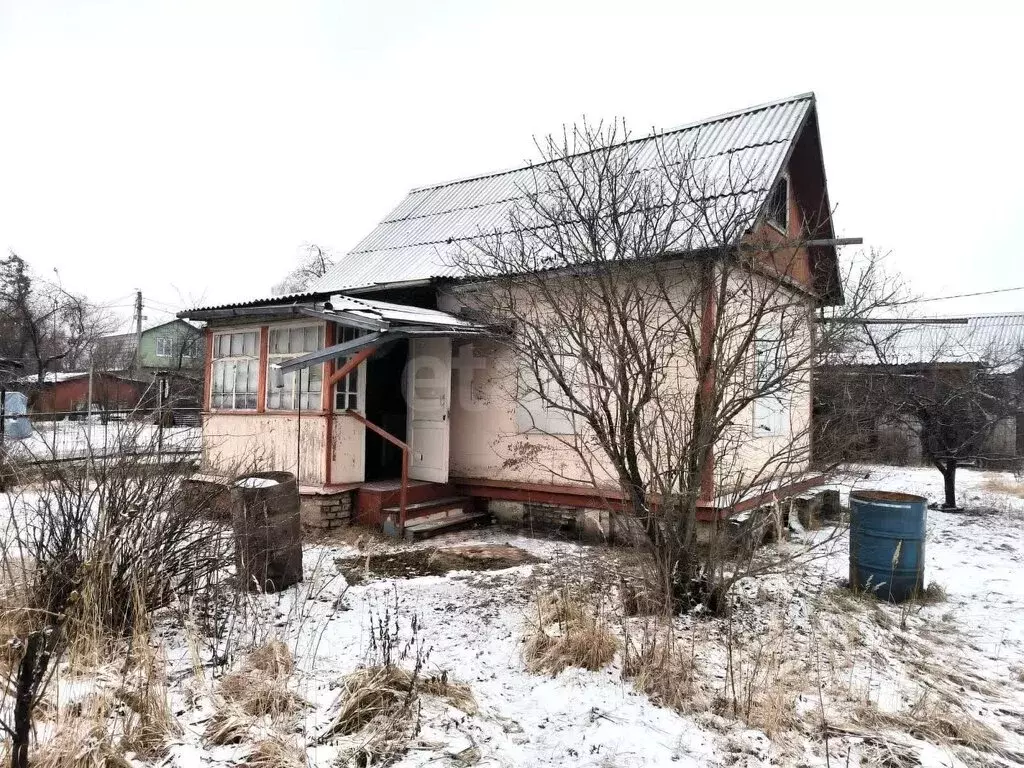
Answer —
167 433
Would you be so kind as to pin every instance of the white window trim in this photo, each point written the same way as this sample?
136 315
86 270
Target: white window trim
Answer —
214 360
784 227
360 390
535 415
773 409
161 341
360 379
281 357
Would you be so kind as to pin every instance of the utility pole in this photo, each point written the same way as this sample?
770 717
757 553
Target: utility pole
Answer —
138 334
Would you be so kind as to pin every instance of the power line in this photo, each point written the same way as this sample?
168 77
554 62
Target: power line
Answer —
962 295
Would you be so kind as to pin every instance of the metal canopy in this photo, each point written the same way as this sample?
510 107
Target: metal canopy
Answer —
375 340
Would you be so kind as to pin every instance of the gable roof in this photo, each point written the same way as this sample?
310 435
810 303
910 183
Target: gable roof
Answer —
150 326
414 242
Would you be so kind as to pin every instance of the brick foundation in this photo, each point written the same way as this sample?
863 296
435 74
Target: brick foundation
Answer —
576 523
325 511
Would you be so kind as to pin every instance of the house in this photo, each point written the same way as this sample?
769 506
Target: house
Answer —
861 415
362 382
173 348
174 345
65 394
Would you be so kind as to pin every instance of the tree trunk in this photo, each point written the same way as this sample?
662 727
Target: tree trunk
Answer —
25 694
949 483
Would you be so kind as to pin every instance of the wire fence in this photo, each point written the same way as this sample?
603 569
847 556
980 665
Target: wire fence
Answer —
166 433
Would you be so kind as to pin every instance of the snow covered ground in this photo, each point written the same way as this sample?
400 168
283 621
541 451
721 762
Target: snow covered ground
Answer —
77 439
834 679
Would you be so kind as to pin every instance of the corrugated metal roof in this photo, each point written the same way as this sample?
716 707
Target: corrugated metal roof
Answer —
261 302
417 240
397 313
995 338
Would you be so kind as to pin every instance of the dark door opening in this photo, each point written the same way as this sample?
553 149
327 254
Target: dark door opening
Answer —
386 407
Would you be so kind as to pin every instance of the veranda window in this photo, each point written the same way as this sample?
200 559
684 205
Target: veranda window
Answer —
346 391
235 372
295 389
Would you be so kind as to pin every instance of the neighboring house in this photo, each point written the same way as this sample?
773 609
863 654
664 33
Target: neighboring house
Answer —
382 344
67 393
174 347
856 416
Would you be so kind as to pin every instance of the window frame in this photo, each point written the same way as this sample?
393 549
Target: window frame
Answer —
304 375
783 226
160 342
343 333
215 359
190 347
773 408
534 413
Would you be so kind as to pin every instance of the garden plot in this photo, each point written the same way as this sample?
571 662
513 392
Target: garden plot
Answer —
415 654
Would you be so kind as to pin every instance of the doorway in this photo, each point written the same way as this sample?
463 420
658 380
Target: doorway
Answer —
386 407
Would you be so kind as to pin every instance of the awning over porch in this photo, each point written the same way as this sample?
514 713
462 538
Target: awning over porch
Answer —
383 321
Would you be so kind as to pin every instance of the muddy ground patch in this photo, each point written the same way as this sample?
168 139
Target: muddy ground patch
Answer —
408 564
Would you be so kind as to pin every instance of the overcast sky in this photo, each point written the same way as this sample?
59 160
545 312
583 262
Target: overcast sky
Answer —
189 149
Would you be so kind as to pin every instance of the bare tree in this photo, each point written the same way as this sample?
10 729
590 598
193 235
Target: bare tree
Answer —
656 331
946 389
44 325
314 262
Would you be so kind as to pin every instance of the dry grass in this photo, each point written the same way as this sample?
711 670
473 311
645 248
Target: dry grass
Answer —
277 752
228 725
568 633
764 676
272 658
261 688
459 695
938 722
79 744
149 722
932 594
371 693
660 667
259 696
379 710
1000 484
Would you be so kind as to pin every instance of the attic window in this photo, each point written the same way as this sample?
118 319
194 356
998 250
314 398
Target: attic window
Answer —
777 211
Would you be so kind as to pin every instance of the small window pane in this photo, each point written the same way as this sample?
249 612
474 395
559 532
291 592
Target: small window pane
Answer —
249 344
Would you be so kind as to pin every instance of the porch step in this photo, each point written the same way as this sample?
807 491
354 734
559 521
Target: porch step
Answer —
431 508
425 528
376 500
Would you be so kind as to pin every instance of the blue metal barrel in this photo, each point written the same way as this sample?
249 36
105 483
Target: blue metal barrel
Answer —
887 534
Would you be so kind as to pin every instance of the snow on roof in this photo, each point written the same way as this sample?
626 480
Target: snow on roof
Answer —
417 239
397 313
53 377
992 338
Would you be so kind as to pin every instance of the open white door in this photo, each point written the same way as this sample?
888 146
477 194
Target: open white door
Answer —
428 390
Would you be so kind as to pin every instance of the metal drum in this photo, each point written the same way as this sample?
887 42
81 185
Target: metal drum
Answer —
268 533
887 536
